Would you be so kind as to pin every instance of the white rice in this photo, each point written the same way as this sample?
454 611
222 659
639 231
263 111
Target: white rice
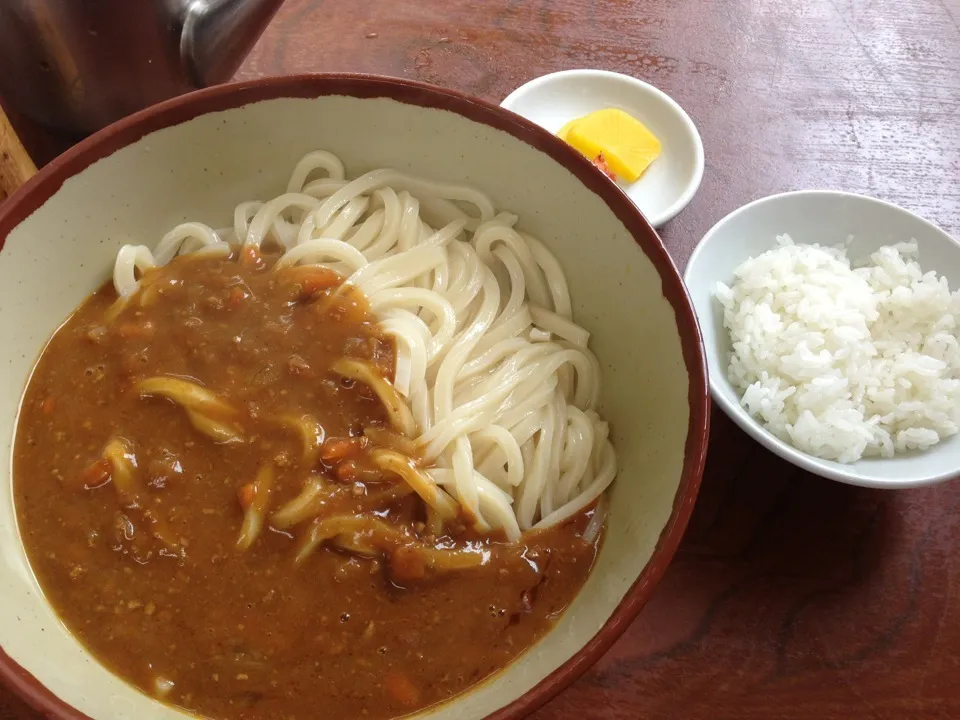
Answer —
845 362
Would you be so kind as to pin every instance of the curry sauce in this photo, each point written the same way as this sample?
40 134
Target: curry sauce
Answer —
149 573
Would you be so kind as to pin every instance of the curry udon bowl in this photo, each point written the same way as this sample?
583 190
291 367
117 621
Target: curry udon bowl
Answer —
196 158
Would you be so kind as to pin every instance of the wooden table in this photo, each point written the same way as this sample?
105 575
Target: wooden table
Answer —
792 597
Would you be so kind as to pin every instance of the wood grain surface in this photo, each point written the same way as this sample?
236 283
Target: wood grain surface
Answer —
16 166
792 597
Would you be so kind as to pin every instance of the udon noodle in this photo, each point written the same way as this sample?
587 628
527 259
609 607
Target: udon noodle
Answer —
493 376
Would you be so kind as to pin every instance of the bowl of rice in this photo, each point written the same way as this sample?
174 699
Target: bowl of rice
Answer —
832 331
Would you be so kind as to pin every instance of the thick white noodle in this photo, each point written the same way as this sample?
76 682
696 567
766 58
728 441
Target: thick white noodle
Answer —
497 374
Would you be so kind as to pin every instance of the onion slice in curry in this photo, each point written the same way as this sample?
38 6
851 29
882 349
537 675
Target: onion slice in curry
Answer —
303 507
371 536
208 413
310 431
255 512
123 464
394 462
120 455
318 496
400 416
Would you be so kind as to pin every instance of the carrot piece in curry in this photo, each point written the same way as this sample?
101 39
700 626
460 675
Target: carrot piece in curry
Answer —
308 281
236 297
337 449
95 475
407 564
246 494
402 689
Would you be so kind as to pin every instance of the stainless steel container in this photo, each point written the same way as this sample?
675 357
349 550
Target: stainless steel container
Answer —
77 65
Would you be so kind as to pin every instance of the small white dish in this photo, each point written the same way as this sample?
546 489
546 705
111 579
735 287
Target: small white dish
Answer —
827 218
672 179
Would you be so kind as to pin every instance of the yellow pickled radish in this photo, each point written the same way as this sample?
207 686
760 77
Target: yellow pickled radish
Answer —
625 143
563 132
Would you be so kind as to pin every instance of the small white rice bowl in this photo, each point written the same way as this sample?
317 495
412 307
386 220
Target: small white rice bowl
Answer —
844 360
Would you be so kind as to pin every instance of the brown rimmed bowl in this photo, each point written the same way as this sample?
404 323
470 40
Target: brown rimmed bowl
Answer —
199 155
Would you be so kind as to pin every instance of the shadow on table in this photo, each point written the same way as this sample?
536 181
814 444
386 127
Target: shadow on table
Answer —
783 576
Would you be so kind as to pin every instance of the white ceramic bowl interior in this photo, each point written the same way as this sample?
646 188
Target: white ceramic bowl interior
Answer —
827 218
199 168
673 178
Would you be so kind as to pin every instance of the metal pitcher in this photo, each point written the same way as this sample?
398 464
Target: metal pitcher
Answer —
77 65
